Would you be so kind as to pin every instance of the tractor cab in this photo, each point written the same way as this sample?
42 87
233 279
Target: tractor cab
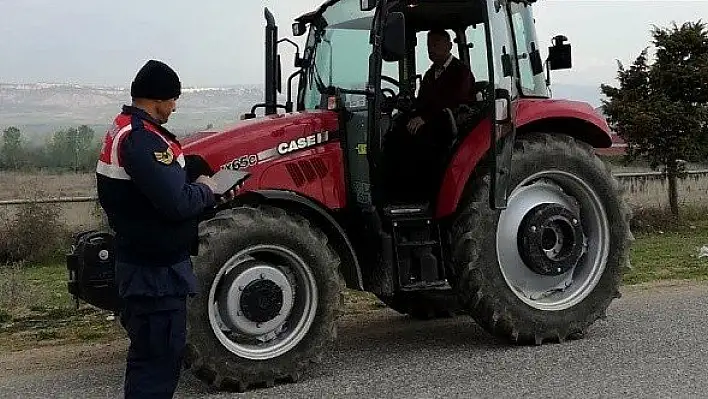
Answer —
369 66
366 60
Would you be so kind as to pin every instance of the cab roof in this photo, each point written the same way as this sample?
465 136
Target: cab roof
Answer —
428 14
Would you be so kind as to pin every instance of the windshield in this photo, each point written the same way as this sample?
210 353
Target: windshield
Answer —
341 51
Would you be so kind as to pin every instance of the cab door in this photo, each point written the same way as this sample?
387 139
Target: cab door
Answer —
503 131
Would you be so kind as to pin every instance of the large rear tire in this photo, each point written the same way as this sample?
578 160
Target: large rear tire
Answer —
548 266
270 295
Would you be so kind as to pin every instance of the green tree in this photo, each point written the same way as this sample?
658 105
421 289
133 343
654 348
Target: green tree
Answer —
661 109
73 148
11 153
85 148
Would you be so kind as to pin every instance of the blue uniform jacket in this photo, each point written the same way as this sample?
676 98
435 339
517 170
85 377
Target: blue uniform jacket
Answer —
151 205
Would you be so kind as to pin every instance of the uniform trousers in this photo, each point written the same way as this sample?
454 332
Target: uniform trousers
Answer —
156 327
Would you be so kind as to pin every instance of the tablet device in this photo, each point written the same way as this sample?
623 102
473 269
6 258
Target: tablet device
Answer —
227 179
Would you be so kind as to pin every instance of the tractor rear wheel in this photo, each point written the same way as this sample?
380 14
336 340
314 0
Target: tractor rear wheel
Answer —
270 295
423 305
549 265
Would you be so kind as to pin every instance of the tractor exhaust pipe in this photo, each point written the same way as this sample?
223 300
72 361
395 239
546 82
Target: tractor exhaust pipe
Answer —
271 66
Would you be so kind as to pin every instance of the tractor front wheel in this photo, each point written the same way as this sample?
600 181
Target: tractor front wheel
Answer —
270 295
549 265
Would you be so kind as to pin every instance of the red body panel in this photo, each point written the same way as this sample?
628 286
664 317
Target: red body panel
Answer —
531 110
315 168
310 161
476 144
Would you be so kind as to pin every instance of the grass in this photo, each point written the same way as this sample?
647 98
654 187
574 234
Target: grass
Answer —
37 310
669 255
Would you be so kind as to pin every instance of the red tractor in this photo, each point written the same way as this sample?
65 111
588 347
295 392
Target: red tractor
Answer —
529 236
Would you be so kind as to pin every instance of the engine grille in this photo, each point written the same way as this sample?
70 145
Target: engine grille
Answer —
306 171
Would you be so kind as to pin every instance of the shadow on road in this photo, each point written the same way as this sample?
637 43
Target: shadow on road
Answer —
387 338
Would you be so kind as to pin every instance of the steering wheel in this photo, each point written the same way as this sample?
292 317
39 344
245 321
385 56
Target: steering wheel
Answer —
390 96
391 80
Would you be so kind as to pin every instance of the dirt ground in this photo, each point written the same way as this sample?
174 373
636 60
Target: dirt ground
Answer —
17 185
73 356
52 358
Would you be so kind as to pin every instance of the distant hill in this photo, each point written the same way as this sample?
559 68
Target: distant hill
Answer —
40 109
43 108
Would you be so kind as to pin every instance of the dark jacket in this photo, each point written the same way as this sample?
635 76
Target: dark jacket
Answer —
148 199
453 87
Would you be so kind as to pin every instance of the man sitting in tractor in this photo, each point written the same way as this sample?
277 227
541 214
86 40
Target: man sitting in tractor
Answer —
414 151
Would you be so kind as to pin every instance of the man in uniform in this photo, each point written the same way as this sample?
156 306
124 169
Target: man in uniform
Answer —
154 211
415 147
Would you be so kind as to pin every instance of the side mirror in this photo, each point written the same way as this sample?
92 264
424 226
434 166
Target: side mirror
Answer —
367 5
559 55
299 28
536 62
394 37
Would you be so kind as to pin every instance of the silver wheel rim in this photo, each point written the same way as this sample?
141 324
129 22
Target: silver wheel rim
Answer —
553 293
270 265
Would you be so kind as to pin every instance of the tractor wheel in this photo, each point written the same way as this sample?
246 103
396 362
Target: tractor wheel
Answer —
423 305
549 265
270 295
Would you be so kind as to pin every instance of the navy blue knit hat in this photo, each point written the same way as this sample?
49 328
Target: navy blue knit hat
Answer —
156 81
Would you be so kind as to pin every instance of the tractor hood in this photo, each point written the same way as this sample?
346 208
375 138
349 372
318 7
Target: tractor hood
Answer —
249 143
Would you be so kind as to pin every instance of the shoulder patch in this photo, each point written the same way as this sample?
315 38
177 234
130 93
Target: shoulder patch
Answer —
165 157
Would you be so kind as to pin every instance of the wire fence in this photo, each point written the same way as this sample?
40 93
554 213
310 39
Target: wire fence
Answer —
623 178
641 189
54 200
662 175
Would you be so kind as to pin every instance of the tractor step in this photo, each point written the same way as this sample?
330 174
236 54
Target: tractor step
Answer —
418 243
417 250
408 212
439 285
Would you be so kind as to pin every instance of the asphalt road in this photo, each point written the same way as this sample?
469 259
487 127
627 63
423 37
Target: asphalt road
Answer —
653 344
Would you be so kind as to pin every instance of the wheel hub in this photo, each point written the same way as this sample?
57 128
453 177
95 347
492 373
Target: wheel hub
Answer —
550 239
256 299
261 300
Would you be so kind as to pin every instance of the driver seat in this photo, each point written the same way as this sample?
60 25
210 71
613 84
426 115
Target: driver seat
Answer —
465 117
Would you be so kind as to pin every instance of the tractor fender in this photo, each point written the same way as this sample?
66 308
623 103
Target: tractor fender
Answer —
576 119
317 215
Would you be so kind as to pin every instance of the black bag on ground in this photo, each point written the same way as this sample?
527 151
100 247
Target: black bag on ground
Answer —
91 265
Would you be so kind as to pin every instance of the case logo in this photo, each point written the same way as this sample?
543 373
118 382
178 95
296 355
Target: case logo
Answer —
302 143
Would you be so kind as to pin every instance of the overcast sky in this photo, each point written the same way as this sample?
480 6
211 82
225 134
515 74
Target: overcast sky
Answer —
211 42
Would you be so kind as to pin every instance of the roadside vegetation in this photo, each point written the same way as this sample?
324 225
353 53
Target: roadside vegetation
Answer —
74 149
